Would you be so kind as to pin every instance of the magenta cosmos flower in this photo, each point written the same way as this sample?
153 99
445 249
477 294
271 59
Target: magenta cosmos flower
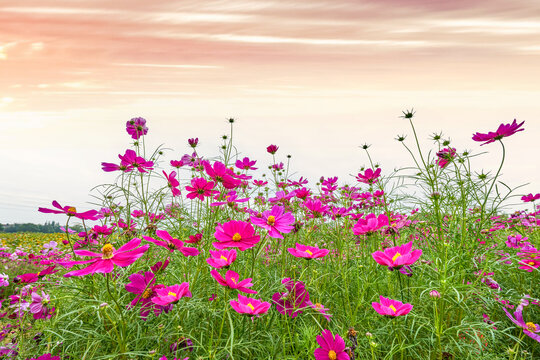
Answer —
144 287
445 156
39 302
221 174
167 241
221 258
136 127
171 294
398 256
272 149
249 306
230 199
529 328
276 221
370 224
330 348
200 188
238 234
131 159
294 300
369 176
232 280
389 307
172 182
307 252
246 164
504 130
47 356
530 197
71 211
126 255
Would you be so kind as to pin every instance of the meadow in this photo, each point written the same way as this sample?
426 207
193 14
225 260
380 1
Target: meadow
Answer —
205 257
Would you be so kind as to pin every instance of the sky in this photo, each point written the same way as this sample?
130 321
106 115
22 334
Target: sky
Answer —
317 78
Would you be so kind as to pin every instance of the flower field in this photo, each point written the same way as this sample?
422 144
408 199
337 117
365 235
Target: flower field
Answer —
206 256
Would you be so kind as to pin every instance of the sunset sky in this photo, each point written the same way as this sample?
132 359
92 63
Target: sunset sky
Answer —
317 78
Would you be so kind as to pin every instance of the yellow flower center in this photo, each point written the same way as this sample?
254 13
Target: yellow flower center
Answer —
318 305
531 262
71 210
271 220
146 294
237 237
170 293
393 308
251 306
234 280
396 256
309 252
531 326
223 258
332 355
107 251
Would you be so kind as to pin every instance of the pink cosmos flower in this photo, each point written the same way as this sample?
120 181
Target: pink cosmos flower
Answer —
126 255
230 199
530 197
221 174
171 294
232 280
276 221
238 234
71 211
308 252
369 176
259 183
294 300
398 256
302 193
272 149
321 309
193 142
144 287
503 130
167 241
445 156
192 160
529 258
109 167
33 277
530 329
39 302
517 241
389 307
331 348
200 188
194 239
246 164
4 280
249 306
281 196
136 127
160 266
47 356
315 207
221 258
130 158
370 224
172 182
177 163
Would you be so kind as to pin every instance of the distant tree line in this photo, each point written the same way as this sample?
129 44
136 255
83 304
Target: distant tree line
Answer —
48 227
